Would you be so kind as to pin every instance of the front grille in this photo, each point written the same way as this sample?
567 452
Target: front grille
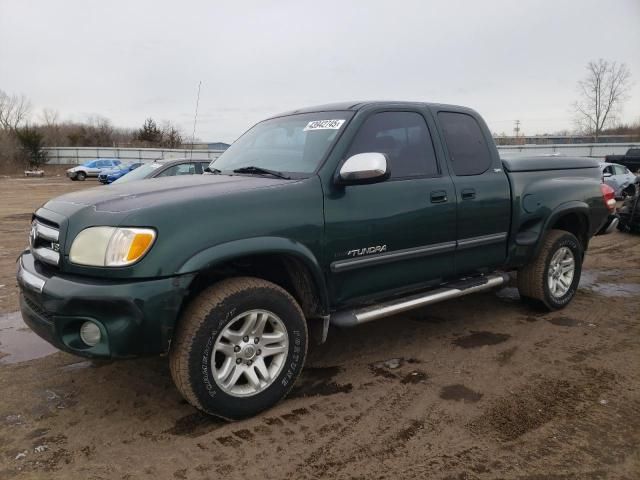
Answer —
38 310
44 240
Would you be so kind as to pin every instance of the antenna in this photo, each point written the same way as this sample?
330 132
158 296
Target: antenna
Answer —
195 120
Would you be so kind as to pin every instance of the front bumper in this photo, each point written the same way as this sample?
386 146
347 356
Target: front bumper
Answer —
135 317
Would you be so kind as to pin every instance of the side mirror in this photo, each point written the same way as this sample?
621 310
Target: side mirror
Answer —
606 175
363 168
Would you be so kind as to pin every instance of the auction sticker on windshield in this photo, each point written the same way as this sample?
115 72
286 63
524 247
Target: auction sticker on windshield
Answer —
324 125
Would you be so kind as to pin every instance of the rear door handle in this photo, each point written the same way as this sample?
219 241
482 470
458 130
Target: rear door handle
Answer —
439 196
468 194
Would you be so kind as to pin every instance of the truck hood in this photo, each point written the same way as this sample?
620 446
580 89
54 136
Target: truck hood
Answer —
132 196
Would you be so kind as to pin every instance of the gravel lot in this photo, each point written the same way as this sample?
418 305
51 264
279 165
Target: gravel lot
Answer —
479 388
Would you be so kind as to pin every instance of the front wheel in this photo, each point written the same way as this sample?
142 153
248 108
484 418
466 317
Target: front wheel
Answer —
239 348
81 176
552 278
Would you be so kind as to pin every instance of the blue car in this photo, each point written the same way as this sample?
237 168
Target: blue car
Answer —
112 174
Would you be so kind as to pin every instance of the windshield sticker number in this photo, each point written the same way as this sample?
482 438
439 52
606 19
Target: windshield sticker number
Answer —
324 125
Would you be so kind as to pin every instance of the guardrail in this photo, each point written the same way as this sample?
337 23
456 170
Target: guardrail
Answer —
574 150
78 155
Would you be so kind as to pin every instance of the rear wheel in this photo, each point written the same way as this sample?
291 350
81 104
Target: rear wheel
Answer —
551 279
239 348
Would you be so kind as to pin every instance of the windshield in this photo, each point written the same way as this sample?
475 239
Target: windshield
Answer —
292 144
139 173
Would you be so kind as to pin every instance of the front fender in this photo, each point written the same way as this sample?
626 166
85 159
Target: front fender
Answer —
223 252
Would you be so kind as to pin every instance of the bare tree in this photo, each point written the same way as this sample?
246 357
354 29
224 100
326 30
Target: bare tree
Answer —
50 117
14 110
602 93
171 135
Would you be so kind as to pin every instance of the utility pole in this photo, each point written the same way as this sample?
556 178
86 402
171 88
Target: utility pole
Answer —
516 129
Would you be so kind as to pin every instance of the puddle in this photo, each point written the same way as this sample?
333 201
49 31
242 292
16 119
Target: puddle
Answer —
318 381
589 279
77 366
459 393
565 322
18 343
480 339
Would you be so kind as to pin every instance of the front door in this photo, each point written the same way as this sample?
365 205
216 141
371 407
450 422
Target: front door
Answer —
399 233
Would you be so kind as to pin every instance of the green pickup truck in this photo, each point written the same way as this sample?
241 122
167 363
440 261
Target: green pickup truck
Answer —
333 215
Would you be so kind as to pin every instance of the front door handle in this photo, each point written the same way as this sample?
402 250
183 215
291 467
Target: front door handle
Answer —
439 196
468 194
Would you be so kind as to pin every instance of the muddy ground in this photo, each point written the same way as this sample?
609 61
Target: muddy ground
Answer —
479 388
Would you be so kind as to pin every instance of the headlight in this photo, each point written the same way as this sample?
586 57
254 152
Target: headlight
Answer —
111 246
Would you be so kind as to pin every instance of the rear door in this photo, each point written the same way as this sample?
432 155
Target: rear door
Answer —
624 176
482 191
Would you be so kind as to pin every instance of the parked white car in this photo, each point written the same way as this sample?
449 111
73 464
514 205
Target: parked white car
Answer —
619 178
91 168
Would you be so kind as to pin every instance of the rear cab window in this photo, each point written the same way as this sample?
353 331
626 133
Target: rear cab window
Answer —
468 150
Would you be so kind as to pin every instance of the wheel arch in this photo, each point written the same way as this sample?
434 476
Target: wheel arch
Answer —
572 217
282 261
528 237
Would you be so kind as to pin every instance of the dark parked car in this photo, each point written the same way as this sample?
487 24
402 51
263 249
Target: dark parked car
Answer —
631 159
110 175
91 168
165 168
340 214
629 212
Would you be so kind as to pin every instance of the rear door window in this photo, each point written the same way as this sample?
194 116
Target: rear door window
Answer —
180 169
620 170
468 149
404 138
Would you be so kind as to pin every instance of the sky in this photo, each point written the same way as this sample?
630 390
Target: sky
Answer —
129 60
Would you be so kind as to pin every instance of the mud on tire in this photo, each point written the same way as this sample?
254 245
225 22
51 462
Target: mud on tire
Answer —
205 325
533 279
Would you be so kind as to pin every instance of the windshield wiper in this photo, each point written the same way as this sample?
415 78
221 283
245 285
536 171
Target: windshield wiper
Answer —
253 169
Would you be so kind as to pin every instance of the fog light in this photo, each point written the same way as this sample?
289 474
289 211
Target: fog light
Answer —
90 333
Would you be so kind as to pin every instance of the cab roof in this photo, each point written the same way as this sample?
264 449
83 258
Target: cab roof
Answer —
358 105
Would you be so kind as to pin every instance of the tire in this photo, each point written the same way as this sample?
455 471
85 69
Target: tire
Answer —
200 346
81 176
534 282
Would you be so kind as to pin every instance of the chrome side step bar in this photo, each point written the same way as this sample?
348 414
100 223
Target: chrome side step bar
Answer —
351 318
